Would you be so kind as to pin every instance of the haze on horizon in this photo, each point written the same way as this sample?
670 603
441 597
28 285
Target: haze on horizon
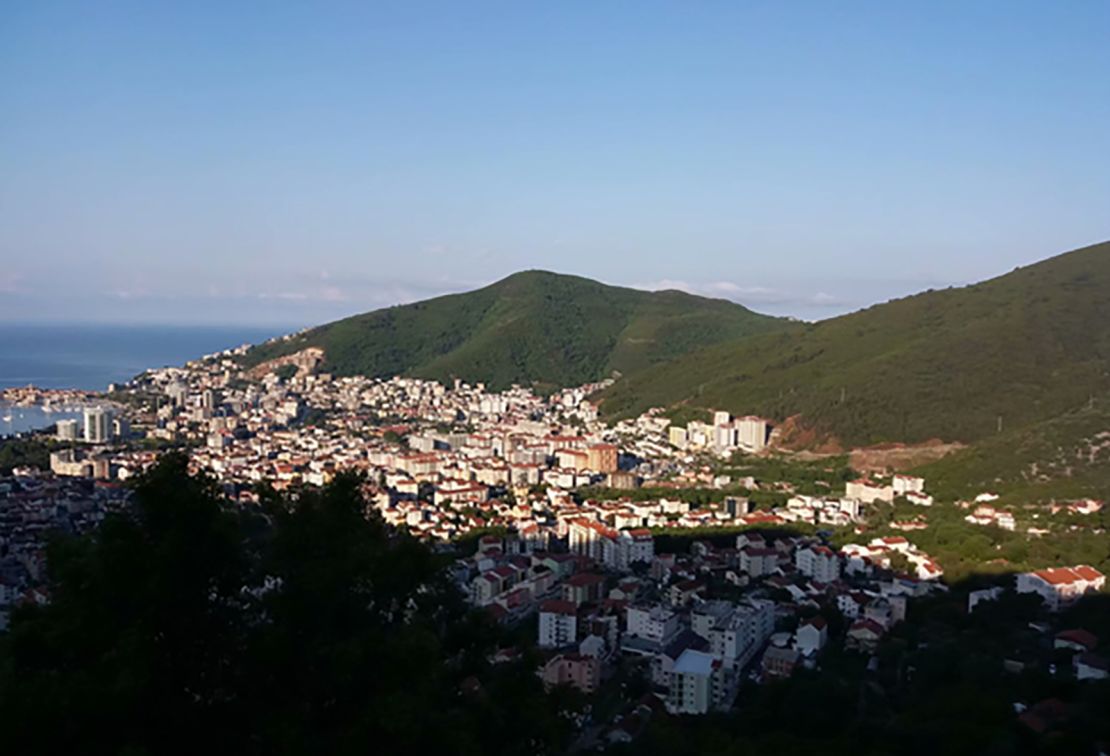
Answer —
287 163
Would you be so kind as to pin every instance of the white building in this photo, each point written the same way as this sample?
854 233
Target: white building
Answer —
98 425
655 624
66 430
866 491
812 636
558 624
906 484
751 433
756 561
697 684
739 636
818 562
634 546
1061 586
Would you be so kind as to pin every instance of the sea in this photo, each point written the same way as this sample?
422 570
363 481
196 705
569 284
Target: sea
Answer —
90 357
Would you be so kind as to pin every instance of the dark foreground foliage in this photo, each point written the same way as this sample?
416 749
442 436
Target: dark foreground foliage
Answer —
303 627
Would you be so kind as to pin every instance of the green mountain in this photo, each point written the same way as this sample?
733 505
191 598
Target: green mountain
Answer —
532 327
955 364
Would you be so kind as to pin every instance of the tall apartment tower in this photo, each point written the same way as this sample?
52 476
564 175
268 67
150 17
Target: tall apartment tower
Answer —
67 430
98 425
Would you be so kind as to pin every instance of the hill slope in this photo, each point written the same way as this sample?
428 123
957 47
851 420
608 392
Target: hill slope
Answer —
1024 347
533 326
1066 457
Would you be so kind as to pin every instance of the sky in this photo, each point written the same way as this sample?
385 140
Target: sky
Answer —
294 162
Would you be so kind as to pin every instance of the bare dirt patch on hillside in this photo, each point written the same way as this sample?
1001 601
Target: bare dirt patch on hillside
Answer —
900 456
792 434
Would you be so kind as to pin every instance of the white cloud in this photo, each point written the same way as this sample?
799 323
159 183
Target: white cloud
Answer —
746 295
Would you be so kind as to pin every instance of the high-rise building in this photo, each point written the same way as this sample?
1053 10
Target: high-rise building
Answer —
98 425
602 458
67 430
751 433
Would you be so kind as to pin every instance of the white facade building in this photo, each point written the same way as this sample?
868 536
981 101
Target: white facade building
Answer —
558 624
697 684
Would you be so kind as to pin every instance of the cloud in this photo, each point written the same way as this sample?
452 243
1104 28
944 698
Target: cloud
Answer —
747 295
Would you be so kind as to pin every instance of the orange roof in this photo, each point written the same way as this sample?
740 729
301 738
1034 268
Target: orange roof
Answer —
1068 575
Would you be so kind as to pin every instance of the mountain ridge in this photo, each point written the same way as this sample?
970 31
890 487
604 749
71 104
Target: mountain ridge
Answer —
953 364
531 327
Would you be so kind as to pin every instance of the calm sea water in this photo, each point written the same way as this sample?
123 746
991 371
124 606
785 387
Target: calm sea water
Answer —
92 356
15 420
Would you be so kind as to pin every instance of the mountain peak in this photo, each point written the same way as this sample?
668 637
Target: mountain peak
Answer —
532 326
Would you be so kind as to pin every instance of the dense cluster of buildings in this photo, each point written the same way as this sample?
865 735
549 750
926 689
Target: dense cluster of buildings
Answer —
34 506
724 435
569 545
697 625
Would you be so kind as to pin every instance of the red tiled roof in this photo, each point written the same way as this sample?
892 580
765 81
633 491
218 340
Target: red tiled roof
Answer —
556 606
1081 637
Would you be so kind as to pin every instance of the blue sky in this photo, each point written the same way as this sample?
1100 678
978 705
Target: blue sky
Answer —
290 163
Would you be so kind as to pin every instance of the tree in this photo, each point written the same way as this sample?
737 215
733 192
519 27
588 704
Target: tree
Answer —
140 636
186 626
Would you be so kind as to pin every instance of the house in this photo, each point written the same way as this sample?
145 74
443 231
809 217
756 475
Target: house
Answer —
812 635
1061 586
486 587
864 635
867 492
576 670
1091 666
894 543
682 593
1076 640
779 663
906 484
851 604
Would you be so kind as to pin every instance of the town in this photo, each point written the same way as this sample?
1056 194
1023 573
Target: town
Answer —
645 547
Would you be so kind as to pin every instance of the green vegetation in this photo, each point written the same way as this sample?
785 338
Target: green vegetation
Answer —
1066 457
816 477
534 326
285 372
32 451
1025 347
187 627
963 549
